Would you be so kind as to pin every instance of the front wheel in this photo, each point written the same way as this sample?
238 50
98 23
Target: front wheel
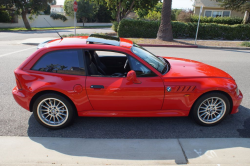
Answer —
210 109
53 111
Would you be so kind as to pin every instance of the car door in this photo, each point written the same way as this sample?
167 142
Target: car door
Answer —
119 94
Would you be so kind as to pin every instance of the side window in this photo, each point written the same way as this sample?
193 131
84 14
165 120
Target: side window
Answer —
63 62
139 68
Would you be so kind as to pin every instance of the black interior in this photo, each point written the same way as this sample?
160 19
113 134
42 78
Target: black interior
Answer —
92 69
107 65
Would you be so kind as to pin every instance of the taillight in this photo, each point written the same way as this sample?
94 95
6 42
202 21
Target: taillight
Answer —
18 84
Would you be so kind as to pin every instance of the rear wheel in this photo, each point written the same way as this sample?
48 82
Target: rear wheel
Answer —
53 111
210 109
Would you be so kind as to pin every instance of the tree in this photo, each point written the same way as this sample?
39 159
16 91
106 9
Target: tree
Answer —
86 9
165 30
237 5
121 8
23 7
53 2
103 14
144 12
47 10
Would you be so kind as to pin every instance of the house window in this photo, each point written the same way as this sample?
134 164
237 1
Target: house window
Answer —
226 13
208 13
217 13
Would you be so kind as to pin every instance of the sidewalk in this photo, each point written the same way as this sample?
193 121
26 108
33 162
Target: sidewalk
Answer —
181 43
80 151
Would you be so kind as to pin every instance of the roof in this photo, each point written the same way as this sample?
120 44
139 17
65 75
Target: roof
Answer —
85 40
207 3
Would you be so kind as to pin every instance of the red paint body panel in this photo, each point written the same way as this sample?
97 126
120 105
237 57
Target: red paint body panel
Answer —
182 68
152 113
121 95
121 98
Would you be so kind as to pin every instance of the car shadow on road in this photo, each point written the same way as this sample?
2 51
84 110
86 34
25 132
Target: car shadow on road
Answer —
179 128
146 128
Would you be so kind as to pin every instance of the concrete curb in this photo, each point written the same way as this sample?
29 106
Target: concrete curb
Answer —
92 27
211 47
161 45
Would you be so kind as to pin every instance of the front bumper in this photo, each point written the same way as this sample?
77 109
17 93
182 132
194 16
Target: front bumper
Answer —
236 103
22 97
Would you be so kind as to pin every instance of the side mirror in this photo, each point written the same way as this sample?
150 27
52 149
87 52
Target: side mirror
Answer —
131 77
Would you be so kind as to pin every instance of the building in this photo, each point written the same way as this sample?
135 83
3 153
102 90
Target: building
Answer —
211 8
57 9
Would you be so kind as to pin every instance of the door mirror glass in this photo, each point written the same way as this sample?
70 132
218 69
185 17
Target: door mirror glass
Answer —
131 77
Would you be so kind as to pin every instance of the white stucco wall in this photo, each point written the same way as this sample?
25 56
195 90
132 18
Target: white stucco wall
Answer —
39 21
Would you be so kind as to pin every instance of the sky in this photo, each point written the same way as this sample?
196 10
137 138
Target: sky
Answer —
179 4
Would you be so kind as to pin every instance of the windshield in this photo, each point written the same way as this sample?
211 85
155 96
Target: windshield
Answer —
156 62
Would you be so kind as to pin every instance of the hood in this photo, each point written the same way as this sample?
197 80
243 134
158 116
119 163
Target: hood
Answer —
189 68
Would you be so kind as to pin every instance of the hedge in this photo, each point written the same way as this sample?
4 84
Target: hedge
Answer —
218 20
149 29
56 16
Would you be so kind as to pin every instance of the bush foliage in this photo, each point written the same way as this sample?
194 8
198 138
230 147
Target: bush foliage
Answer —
218 20
149 29
115 26
184 16
4 16
245 43
138 28
56 16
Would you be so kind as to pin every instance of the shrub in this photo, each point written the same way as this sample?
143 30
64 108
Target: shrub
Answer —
56 16
153 16
4 16
184 16
149 29
115 26
245 43
175 13
218 20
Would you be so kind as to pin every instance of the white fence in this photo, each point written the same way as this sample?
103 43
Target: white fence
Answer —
39 21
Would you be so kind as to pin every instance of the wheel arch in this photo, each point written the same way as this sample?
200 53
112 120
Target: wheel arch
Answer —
49 91
218 91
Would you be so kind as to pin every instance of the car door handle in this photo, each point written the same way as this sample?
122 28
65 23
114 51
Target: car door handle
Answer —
97 86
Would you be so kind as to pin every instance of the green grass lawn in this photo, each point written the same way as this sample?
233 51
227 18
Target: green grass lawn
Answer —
245 43
49 28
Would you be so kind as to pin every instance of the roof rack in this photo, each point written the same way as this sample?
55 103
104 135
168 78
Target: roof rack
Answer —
103 39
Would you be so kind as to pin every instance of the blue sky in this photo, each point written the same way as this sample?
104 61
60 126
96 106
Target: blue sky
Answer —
180 4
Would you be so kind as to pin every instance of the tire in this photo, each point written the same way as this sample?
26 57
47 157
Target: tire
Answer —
53 111
210 109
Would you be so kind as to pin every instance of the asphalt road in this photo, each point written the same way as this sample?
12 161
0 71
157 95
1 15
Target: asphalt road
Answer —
15 121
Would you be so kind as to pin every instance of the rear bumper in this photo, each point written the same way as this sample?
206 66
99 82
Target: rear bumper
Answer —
236 103
22 97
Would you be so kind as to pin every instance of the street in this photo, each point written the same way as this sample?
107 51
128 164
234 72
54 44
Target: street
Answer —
15 121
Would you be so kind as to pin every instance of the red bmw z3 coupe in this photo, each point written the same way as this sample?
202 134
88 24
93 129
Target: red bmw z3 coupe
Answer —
102 76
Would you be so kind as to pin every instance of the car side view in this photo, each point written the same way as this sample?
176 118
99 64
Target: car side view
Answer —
103 76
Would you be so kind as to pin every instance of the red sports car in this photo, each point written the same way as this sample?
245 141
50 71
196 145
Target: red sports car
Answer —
102 76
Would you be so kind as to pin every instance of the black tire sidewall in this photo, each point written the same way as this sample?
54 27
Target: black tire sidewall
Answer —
71 110
196 105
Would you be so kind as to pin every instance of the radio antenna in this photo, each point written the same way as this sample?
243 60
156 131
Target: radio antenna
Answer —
54 29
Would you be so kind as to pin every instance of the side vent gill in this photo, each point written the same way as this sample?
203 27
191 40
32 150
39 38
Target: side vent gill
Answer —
185 88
